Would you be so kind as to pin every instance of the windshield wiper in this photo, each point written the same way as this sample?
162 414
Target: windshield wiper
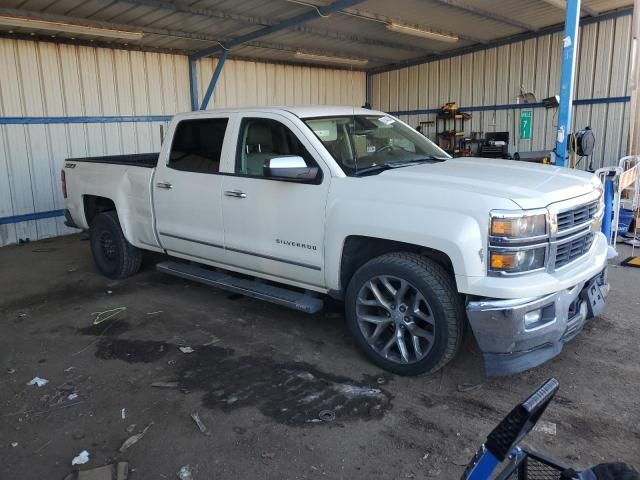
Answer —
389 165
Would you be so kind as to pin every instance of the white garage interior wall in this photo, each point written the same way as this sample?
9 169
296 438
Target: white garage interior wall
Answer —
41 80
494 76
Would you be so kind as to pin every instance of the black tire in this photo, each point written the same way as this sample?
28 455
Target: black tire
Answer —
113 255
437 287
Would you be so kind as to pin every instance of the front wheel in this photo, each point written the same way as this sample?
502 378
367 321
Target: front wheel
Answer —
405 313
114 256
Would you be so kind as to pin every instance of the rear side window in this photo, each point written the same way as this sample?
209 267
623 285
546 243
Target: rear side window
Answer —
197 145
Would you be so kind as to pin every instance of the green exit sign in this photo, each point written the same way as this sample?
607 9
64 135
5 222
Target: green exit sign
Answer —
525 124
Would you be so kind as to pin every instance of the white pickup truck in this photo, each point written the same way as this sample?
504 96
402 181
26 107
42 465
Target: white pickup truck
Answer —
291 204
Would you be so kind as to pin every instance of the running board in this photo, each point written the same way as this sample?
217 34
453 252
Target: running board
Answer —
302 302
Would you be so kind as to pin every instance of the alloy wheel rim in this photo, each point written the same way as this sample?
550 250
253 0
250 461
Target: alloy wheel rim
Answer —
395 319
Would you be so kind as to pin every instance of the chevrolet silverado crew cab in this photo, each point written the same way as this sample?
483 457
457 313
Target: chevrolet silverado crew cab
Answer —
293 204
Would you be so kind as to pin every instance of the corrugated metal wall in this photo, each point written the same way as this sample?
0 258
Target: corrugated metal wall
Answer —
251 83
41 80
495 76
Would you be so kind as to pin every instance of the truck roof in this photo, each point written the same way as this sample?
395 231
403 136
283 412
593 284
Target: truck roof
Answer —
299 111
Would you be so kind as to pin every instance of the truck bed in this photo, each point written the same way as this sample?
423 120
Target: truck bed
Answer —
147 160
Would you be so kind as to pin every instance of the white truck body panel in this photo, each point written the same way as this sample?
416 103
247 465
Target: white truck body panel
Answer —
294 233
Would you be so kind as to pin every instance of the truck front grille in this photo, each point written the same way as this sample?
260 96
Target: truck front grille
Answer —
580 215
569 251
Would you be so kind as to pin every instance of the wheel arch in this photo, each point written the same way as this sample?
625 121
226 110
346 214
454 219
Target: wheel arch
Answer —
359 249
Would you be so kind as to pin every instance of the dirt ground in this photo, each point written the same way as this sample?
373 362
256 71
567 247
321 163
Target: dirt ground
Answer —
259 377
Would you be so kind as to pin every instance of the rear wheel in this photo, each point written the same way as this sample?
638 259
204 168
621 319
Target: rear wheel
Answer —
405 313
113 255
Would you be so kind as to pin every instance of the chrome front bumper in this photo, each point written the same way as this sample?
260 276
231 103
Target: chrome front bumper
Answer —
511 345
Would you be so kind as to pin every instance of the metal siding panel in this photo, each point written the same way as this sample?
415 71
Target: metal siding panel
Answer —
384 92
20 177
621 57
500 118
541 90
393 90
477 91
375 92
8 231
444 72
466 80
9 80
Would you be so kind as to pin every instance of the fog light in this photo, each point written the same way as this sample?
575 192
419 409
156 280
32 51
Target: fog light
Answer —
532 317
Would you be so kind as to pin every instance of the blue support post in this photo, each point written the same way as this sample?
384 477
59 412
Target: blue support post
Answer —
214 80
193 83
567 78
607 219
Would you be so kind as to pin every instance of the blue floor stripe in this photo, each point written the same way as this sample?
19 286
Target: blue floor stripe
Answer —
31 216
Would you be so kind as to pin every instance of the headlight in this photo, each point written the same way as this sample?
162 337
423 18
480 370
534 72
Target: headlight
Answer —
518 226
517 261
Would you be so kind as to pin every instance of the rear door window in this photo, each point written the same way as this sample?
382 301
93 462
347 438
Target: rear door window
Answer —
197 145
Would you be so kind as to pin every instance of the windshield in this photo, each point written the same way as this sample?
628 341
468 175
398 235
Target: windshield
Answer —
372 143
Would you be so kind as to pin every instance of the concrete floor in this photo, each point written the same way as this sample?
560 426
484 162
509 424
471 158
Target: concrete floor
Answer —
258 378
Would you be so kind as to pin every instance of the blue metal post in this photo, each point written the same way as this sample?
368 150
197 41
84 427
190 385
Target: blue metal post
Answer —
193 82
214 80
607 219
567 78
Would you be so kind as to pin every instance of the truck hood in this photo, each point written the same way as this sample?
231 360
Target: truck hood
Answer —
529 185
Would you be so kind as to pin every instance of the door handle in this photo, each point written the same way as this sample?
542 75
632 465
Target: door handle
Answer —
235 193
166 185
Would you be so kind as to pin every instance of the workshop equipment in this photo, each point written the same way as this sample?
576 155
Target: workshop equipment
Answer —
450 128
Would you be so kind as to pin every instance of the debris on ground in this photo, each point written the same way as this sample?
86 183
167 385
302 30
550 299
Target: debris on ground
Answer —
14 444
11 371
186 349
268 455
40 382
109 292
196 418
133 439
545 427
185 473
117 471
468 387
72 396
107 314
81 459
154 313
165 384
327 415
123 413
131 428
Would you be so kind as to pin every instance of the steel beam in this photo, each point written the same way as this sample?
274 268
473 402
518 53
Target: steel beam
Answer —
169 33
214 80
330 53
562 4
567 78
261 21
461 5
354 12
337 5
12 12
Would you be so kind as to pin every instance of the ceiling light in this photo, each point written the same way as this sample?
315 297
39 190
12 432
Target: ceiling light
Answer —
69 28
419 32
327 59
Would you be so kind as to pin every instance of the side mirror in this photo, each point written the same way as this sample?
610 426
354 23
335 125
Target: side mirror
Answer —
289 168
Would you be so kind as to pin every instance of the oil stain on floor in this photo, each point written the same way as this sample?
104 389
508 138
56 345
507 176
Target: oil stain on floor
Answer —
294 394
